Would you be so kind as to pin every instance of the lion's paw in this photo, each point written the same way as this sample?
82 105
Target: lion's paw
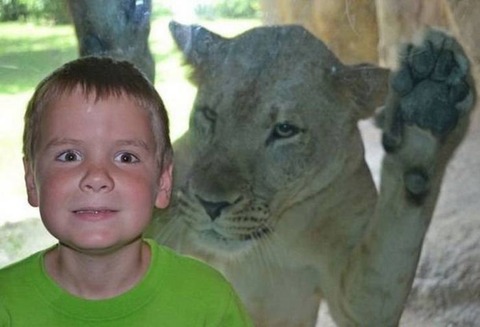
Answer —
426 111
432 89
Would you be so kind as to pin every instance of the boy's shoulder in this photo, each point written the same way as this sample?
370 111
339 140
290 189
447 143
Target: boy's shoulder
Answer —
192 272
187 264
22 267
21 276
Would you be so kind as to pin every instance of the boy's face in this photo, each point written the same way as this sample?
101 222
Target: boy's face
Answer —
95 176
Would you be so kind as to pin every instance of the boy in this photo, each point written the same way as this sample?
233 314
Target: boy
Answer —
97 159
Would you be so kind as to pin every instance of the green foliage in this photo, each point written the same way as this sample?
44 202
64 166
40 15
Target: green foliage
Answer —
52 11
229 9
159 9
12 10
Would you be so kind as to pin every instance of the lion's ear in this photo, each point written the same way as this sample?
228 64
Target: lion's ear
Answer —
367 86
196 42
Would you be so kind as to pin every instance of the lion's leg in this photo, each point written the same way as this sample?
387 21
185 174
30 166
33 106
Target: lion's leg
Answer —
426 115
117 29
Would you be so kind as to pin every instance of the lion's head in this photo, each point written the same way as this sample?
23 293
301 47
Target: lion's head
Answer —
273 125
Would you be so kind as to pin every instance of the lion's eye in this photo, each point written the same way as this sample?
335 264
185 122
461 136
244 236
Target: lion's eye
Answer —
204 121
285 130
209 114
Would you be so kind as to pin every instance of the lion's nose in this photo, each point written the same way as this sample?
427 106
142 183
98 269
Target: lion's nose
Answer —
213 209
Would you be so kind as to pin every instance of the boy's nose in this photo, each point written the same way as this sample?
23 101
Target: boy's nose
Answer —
97 179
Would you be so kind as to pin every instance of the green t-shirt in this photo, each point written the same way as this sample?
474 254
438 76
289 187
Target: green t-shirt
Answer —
176 291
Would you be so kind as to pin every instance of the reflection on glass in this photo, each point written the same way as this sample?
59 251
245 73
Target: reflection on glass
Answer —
34 39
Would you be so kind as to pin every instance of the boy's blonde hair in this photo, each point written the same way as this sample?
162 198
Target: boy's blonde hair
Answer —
100 77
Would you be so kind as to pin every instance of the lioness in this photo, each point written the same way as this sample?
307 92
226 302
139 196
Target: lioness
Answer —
271 183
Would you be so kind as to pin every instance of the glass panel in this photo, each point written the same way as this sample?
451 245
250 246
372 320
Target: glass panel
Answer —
39 36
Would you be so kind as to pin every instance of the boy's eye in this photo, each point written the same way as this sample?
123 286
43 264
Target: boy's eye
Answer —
68 156
126 157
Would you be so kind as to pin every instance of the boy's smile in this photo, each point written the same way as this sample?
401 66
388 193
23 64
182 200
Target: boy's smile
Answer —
95 174
94 214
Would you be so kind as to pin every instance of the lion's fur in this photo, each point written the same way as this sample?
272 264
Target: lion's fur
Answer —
117 29
271 183
447 288
349 28
372 30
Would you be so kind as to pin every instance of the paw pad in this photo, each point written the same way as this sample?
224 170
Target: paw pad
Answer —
416 185
430 85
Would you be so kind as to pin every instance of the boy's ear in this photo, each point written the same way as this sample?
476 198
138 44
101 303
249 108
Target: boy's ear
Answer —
30 184
164 187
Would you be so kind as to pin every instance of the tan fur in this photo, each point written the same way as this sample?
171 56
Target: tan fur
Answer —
272 185
348 27
372 30
400 21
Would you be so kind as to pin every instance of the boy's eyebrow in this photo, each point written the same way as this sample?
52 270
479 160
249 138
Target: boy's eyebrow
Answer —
63 141
134 142
75 142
